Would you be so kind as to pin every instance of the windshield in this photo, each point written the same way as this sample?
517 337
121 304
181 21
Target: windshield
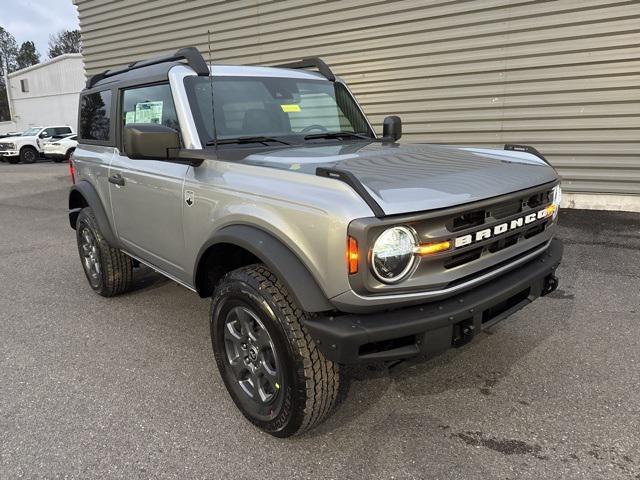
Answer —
32 131
273 107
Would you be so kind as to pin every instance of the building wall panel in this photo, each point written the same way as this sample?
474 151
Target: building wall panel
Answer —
560 74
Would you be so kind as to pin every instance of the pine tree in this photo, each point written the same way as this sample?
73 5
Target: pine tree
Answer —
27 55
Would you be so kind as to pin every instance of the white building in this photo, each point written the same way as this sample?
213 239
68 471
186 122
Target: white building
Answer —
46 93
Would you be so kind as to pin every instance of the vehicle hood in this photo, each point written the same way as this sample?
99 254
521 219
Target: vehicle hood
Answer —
417 177
19 138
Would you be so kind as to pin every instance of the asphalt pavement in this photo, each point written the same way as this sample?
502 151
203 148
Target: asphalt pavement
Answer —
127 387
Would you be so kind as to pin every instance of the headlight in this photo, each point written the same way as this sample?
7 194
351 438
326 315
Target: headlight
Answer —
392 255
9 146
557 198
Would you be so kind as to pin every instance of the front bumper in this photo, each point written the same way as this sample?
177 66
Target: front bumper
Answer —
436 326
9 153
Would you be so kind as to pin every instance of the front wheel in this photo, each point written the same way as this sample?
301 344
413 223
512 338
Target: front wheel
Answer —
270 365
28 155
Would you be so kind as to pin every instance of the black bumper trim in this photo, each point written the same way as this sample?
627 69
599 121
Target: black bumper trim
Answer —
435 326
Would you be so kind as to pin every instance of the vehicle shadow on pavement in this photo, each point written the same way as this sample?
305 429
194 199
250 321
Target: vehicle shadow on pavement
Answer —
145 278
480 365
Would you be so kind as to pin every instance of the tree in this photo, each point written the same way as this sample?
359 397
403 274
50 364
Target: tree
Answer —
27 55
66 41
8 52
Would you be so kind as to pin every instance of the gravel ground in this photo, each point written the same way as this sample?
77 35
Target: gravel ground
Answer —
127 387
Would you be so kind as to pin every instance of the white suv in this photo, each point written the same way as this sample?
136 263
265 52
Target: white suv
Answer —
27 147
60 150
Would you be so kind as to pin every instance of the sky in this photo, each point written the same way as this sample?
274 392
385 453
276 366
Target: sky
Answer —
35 20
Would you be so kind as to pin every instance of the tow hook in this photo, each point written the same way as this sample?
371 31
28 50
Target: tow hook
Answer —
550 284
462 333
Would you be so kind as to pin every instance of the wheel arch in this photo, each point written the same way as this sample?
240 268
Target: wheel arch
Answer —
83 194
250 244
28 145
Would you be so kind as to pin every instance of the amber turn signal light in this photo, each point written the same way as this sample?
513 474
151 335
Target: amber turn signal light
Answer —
430 248
352 255
551 210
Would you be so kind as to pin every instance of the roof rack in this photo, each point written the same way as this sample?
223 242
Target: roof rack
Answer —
190 54
313 62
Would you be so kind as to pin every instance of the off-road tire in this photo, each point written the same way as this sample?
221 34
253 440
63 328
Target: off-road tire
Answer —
28 155
116 268
311 383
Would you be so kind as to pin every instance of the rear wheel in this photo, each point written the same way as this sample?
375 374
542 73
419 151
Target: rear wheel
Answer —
270 365
67 156
28 155
108 270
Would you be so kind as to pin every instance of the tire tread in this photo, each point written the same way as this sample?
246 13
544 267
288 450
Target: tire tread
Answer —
322 376
118 267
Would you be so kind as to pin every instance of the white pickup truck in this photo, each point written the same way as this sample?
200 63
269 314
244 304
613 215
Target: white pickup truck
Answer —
27 147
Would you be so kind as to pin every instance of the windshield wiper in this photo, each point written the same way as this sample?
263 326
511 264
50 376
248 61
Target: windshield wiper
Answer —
241 140
337 135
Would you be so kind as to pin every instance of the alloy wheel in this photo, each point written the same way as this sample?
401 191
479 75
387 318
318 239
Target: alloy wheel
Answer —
90 256
251 356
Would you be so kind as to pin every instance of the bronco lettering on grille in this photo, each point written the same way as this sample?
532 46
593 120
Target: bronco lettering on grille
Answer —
501 228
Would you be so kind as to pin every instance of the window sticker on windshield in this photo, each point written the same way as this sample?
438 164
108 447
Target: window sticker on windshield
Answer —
145 112
290 108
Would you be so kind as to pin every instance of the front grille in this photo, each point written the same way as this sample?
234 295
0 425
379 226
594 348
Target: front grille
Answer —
483 240
506 209
467 220
491 215
464 257
496 246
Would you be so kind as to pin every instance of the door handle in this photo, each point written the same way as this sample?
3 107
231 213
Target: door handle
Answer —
117 179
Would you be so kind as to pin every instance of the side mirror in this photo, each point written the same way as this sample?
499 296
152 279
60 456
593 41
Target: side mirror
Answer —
150 141
391 129
43 135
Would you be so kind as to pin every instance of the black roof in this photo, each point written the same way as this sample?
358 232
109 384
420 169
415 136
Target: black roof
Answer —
157 69
144 69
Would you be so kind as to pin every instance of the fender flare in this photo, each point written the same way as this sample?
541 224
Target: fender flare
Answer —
279 258
91 197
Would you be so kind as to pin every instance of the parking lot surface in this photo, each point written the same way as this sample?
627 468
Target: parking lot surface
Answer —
127 387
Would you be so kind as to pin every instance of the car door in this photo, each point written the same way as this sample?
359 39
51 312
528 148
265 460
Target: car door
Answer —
146 195
45 136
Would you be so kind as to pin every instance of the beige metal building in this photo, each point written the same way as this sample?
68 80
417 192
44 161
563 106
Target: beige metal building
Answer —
562 75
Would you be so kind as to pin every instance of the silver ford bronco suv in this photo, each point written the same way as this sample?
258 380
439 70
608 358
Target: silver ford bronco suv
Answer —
320 243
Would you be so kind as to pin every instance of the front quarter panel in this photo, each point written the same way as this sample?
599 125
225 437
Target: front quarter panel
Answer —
307 214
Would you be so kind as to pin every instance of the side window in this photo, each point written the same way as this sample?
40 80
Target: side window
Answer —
48 132
95 116
62 130
152 104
